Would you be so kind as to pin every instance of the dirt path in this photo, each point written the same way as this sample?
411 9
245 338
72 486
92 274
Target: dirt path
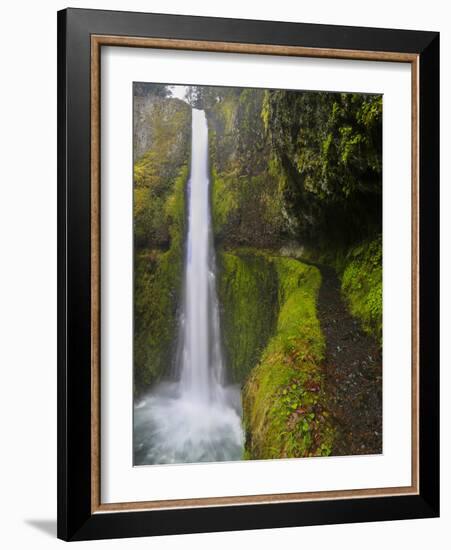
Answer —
353 367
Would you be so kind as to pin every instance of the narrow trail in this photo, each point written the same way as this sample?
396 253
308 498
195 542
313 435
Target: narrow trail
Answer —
353 373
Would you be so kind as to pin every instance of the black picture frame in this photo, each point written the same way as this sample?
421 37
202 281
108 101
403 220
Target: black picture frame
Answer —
76 521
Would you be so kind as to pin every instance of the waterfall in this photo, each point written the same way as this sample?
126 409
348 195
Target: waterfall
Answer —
201 357
197 417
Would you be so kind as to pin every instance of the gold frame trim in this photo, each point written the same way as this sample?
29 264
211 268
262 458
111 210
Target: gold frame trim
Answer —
97 41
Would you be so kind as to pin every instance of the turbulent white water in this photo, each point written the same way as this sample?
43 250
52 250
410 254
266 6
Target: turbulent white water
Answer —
196 418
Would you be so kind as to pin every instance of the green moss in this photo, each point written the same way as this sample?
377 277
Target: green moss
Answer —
154 317
283 399
245 197
362 285
247 289
224 201
160 176
156 171
246 211
360 271
158 280
275 347
174 210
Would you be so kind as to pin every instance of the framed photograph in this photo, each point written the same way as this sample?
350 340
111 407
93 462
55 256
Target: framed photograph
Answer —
248 274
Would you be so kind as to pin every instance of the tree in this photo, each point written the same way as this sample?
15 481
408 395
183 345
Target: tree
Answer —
142 89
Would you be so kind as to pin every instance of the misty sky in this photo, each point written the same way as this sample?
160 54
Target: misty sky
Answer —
179 91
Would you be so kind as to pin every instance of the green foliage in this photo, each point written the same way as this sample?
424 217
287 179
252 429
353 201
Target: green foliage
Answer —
362 285
141 89
283 399
329 148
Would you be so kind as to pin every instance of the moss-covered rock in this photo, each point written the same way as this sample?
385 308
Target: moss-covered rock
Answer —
284 405
245 198
167 125
310 161
328 147
362 285
160 175
247 290
245 210
158 282
275 347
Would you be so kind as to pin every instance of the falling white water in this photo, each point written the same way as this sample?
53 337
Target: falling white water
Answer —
198 417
